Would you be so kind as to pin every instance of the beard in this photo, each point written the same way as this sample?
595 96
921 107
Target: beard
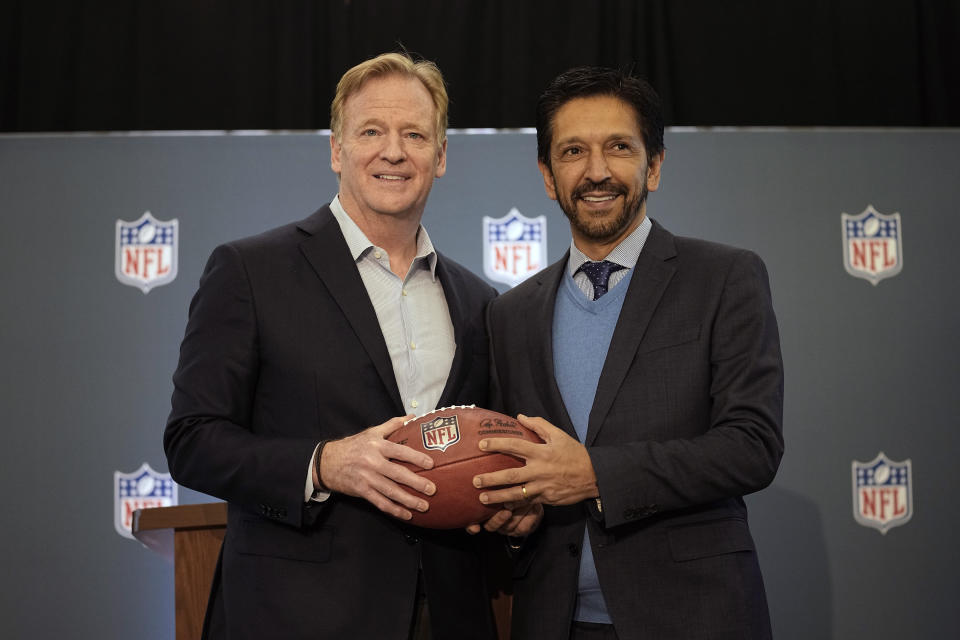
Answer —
596 226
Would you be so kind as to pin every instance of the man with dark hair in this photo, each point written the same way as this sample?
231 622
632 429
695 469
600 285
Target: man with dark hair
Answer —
299 340
654 364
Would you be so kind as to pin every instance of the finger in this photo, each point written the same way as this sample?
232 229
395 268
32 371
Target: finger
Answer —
396 450
513 527
403 475
526 525
391 509
523 508
384 487
538 425
525 520
497 521
474 529
404 453
515 446
501 496
385 505
514 475
391 425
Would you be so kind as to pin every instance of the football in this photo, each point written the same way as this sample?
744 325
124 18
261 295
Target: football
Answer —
450 436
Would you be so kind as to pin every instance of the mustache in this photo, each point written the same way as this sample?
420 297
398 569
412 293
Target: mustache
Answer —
606 186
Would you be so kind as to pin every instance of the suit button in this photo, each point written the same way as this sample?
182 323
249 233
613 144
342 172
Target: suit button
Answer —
574 549
411 539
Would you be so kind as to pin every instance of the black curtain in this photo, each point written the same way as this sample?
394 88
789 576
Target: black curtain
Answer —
258 64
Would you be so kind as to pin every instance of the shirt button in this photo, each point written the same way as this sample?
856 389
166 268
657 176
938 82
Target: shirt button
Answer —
414 404
413 345
404 292
377 255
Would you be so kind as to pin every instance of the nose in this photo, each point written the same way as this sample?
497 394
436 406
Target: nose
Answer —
597 169
393 149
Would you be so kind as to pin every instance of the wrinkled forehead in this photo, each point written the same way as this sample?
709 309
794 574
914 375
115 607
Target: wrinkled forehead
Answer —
393 96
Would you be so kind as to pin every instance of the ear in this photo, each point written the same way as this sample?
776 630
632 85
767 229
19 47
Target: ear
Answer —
653 173
548 182
335 148
442 160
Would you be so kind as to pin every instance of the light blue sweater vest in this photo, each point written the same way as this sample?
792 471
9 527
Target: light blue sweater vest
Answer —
582 330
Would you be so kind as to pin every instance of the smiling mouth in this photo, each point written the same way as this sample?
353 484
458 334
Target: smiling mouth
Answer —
380 176
601 198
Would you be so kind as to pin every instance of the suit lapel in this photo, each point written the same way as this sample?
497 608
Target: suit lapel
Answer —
452 288
328 254
647 286
540 340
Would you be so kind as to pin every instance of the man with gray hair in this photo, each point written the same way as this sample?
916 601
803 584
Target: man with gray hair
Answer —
300 339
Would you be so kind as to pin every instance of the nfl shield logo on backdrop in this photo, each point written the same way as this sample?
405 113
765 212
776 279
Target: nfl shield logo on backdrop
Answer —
872 245
514 247
882 493
146 253
142 489
440 433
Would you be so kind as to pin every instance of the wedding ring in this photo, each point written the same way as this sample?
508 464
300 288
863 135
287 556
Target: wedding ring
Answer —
523 491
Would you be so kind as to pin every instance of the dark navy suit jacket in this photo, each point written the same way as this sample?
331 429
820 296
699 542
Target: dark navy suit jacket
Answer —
686 420
283 349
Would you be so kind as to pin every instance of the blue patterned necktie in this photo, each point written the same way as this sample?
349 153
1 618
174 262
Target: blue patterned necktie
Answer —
599 274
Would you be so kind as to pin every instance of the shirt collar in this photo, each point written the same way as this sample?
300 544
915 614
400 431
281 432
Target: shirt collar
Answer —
625 254
360 245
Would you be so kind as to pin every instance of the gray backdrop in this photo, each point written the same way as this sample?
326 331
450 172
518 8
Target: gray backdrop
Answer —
87 361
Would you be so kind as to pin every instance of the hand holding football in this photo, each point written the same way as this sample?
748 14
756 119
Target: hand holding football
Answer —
450 436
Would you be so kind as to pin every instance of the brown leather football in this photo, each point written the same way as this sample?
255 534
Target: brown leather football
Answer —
450 436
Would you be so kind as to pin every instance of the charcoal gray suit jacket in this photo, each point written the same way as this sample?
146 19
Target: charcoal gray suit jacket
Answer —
283 349
686 420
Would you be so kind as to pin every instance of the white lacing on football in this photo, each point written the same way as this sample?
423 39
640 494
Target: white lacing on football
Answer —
454 406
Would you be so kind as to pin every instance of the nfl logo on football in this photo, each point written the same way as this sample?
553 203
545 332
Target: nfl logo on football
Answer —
440 433
142 489
882 493
514 247
872 245
146 252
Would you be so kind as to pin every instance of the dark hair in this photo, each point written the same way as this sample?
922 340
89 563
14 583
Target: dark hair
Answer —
585 82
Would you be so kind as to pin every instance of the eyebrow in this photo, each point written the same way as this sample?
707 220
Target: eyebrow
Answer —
380 122
610 138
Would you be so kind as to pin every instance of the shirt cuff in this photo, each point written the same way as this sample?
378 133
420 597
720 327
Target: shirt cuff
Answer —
309 495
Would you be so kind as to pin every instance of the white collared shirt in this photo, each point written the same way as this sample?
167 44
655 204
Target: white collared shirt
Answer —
413 316
412 312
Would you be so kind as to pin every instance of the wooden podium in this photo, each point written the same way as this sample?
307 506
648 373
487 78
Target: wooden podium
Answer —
190 536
